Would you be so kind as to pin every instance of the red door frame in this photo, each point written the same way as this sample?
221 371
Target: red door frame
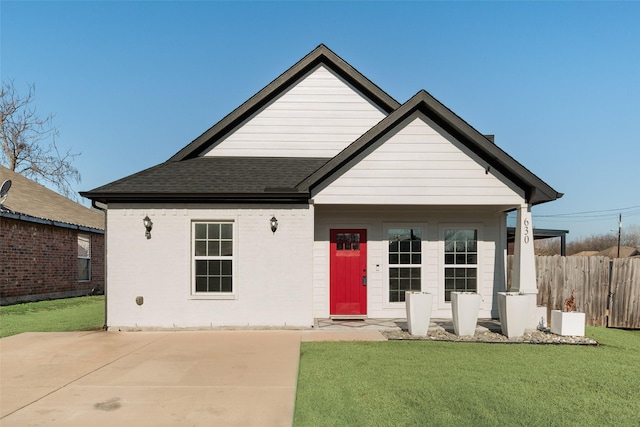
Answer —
348 272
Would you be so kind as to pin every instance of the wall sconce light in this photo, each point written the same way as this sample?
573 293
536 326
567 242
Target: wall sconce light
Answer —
148 225
274 224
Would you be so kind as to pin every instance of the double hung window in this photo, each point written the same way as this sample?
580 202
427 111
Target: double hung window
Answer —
213 257
405 262
460 261
84 257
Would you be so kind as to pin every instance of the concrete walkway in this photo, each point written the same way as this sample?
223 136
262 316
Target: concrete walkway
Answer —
195 378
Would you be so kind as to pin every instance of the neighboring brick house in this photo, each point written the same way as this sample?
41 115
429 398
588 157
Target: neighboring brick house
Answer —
50 246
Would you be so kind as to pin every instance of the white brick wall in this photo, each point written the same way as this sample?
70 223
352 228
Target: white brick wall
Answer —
272 277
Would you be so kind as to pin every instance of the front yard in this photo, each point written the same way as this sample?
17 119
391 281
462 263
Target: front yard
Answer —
436 383
72 314
420 383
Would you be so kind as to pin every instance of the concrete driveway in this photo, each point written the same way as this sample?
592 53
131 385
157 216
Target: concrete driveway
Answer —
199 378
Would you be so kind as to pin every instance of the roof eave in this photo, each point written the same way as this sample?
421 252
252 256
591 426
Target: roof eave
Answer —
272 197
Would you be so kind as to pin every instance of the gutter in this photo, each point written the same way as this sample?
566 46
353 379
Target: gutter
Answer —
94 204
29 218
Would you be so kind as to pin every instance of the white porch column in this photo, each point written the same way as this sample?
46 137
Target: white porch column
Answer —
524 263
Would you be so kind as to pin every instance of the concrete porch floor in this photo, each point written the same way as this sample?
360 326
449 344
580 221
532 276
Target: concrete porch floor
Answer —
492 325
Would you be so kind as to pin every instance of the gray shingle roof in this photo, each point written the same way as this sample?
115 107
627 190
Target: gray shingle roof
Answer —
30 198
187 177
215 179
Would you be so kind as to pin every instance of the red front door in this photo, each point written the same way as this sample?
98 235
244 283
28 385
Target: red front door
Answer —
348 257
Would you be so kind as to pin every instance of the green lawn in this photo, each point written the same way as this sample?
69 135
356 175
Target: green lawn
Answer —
72 314
423 383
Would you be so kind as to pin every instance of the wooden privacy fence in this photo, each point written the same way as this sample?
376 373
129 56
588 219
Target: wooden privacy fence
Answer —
602 287
624 311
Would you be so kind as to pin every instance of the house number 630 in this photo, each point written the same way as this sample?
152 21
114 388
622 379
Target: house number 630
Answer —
526 230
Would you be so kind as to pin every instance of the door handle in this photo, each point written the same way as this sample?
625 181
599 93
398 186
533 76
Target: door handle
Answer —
364 280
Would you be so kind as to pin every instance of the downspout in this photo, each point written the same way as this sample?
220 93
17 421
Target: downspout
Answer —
104 260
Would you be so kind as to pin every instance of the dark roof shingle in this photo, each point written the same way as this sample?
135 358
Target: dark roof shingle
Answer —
214 178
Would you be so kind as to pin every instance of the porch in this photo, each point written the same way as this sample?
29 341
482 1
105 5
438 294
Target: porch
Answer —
399 324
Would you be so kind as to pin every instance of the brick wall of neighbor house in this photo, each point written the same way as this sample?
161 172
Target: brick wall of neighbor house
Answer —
39 261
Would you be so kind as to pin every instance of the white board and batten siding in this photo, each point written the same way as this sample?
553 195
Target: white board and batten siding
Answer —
318 116
418 164
270 270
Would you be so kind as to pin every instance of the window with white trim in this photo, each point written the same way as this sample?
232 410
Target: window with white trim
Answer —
405 261
212 258
460 261
84 257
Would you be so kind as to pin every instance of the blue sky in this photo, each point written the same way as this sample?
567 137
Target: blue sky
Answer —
558 83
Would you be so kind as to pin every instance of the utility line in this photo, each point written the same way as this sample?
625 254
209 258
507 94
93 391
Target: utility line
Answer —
599 214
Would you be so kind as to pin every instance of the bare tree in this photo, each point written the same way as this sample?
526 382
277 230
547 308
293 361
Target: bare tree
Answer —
28 142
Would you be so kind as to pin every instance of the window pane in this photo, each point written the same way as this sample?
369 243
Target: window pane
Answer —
84 246
226 268
215 284
394 297
472 259
226 284
214 232
393 259
405 246
405 259
215 268
201 268
448 258
201 284
213 248
416 259
84 273
226 231
449 284
226 248
201 248
393 246
201 231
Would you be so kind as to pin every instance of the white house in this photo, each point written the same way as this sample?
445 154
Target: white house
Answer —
320 196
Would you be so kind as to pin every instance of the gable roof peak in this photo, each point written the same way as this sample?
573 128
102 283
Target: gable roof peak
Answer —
320 55
536 190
